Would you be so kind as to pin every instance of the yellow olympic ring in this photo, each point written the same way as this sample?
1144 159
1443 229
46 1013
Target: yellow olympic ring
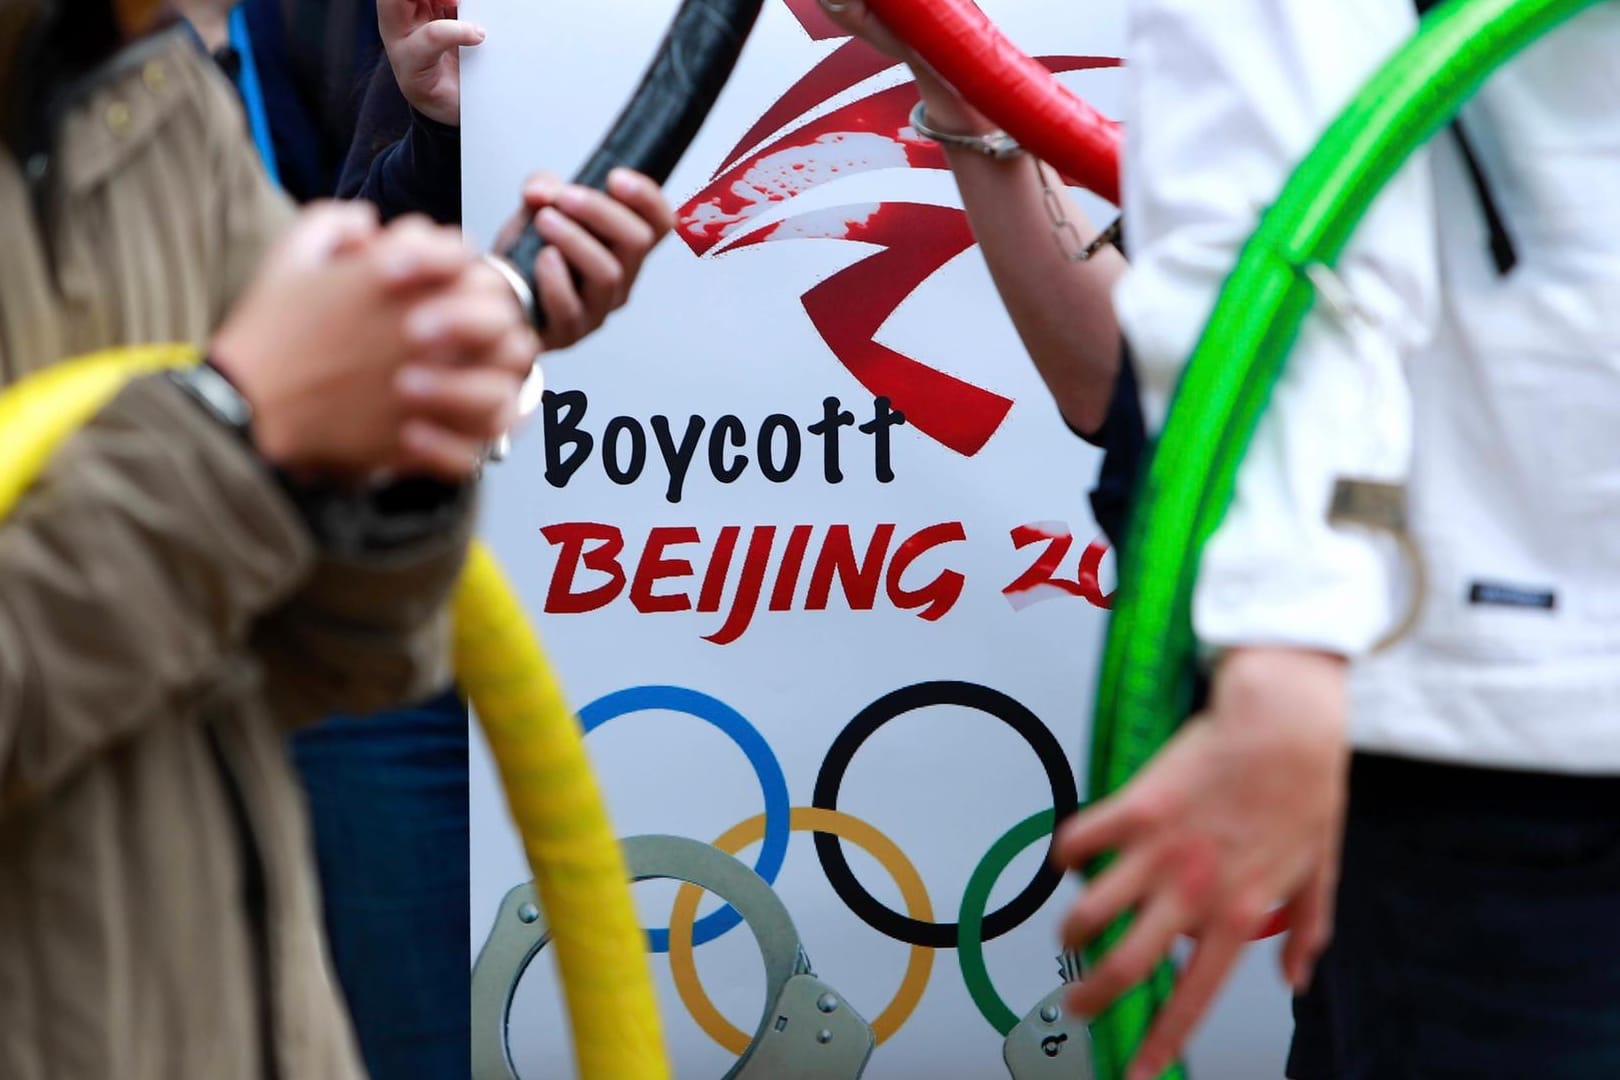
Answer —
920 965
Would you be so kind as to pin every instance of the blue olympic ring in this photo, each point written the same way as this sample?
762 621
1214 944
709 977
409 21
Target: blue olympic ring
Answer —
772 783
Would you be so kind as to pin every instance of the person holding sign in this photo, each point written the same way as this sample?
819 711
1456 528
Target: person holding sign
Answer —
1480 863
389 793
1056 284
407 158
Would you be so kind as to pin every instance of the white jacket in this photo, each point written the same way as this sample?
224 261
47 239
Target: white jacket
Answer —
1496 398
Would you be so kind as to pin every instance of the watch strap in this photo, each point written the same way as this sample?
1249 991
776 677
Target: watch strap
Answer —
214 392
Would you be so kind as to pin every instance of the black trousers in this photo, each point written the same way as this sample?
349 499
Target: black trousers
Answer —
1477 933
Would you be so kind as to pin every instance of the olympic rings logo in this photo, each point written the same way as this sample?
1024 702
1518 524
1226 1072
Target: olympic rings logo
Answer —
832 826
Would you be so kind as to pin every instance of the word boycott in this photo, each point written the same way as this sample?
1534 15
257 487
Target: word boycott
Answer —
729 446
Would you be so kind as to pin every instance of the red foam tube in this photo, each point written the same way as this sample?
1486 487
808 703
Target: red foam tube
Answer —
1009 87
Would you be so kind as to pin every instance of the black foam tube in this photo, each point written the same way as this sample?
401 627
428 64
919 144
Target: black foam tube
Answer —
668 108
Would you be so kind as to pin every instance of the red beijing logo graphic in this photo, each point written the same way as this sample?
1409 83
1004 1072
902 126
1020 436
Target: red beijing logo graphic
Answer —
787 153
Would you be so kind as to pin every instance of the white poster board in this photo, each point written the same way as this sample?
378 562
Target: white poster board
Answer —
757 580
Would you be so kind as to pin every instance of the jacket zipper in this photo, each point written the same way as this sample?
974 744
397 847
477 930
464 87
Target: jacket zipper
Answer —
255 903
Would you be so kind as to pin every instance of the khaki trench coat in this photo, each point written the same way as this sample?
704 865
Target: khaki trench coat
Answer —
164 617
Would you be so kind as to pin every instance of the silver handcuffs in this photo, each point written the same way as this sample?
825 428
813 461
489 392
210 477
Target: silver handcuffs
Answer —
807 1031
534 387
1049 1043
997 144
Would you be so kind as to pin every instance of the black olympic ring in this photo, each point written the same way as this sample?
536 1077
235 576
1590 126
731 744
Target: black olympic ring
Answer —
885 920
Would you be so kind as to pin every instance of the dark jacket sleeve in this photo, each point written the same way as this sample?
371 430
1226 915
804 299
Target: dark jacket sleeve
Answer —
1123 440
401 160
371 628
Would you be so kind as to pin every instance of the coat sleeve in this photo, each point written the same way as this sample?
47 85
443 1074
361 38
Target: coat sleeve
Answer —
156 552
131 572
368 628
1225 100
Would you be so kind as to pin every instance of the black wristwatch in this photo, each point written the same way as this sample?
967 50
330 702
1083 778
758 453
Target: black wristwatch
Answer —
218 396
345 521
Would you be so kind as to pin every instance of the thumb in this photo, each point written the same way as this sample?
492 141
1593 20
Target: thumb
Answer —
432 40
1311 920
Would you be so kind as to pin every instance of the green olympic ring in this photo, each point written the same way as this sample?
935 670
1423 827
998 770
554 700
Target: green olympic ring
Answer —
970 920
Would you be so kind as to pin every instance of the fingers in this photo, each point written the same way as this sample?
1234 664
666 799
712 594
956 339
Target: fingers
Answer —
643 196
1105 826
566 318
850 15
1311 916
602 277
596 244
396 17
479 404
624 233
540 190
327 230
514 354
466 324
1131 961
1276 923
1107 897
857 18
413 254
427 450
1211 963
441 35
457 411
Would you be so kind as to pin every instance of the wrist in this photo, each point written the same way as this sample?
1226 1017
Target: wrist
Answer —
946 108
431 122
271 436
438 118
1251 665
1303 691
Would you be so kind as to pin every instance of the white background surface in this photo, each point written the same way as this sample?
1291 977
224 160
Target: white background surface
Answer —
729 334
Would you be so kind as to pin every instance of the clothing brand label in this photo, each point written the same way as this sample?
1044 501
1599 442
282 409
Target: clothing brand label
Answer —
1496 594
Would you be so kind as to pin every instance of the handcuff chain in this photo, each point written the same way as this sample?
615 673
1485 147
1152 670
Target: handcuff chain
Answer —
1065 232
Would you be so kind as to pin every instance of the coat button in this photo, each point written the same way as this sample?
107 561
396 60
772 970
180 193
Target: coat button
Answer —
156 79
118 118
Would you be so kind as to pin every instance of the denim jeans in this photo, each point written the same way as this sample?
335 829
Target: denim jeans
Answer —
388 796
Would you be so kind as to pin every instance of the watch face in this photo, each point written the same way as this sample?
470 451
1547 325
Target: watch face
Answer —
215 393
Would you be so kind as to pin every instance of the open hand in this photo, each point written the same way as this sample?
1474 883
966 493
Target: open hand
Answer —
1241 811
